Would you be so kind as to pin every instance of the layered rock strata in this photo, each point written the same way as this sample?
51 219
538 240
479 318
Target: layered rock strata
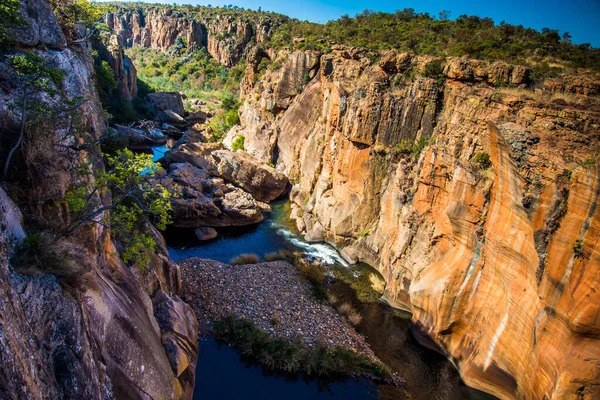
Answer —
226 38
478 205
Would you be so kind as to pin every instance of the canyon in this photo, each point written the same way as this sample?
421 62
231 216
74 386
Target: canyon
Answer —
472 191
483 258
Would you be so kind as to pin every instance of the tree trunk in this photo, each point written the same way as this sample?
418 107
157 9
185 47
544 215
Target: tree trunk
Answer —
21 134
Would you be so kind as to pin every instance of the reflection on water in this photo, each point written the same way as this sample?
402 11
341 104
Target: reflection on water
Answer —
222 375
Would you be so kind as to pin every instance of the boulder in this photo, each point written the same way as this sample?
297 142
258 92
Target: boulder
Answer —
205 233
178 329
263 182
207 201
141 139
167 106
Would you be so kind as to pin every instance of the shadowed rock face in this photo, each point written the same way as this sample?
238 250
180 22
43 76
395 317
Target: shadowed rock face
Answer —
120 331
500 266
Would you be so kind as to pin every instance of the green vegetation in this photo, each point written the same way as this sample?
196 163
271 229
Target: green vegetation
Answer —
225 118
590 162
33 76
244 259
292 356
578 248
238 143
45 253
366 282
408 147
135 199
314 273
192 72
417 33
70 12
421 33
9 15
482 160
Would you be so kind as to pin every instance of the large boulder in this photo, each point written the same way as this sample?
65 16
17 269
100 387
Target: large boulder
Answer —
141 139
263 182
205 200
167 106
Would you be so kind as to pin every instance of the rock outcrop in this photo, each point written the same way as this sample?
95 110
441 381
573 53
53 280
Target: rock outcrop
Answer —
226 38
498 260
110 49
116 331
218 187
205 200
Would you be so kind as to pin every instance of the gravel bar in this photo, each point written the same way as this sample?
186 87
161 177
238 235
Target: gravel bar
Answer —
273 295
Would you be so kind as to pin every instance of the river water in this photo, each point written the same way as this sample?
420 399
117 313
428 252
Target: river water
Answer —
221 374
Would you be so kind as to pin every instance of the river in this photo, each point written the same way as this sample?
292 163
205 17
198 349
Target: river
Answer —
221 374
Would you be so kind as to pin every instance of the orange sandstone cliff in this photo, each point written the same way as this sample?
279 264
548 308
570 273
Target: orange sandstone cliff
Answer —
479 204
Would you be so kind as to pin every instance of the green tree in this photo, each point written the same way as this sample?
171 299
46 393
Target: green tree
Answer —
134 196
34 77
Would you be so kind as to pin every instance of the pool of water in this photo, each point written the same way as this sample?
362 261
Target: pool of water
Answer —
221 374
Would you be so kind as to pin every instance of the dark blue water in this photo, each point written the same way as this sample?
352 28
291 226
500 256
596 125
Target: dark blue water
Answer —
222 375
274 234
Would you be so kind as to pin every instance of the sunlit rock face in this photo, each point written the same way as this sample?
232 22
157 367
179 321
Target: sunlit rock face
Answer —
225 37
499 265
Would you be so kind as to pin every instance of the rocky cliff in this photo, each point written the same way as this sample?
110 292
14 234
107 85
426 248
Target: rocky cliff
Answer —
111 331
478 205
225 37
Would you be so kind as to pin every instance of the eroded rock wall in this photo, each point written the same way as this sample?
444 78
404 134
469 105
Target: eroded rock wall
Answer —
225 37
499 265
116 331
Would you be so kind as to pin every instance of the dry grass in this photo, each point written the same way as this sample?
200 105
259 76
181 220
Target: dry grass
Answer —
354 317
43 253
332 298
281 255
350 313
244 259
345 308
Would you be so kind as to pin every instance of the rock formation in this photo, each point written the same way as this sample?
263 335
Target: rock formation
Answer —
219 187
499 265
110 49
226 38
117 331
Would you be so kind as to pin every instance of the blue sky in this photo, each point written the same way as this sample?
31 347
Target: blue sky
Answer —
579 17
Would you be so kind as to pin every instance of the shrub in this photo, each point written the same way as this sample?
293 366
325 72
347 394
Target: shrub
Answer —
354 317
9 15
281 255
292 356
578 248
433 69
244 259
43 252
332 298
238 143
482 160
